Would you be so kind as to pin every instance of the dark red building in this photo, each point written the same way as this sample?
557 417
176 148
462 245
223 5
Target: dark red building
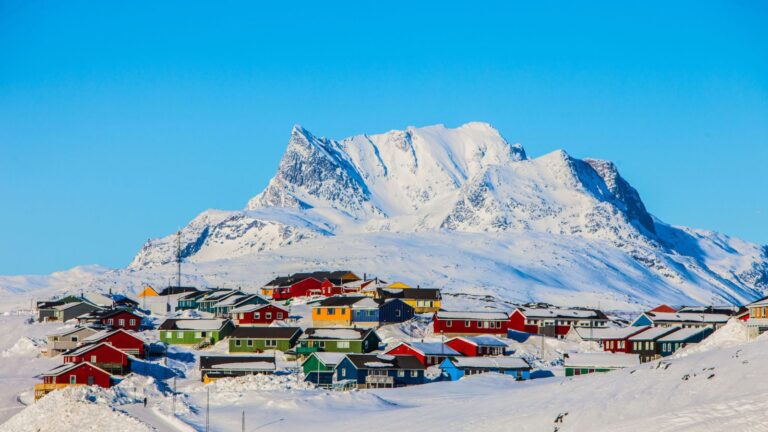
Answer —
258 314
73 374
102 355
428 353
470 323
112 319
547 320
476 346
120 339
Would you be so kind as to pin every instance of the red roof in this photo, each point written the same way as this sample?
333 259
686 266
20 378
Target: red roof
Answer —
663 308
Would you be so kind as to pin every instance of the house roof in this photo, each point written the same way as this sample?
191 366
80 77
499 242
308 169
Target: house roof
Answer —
343 300
496 362
193 324
90 347
346 333
66 306
652 333
66 367
688 317
328 358
170 290
553 312
337 277
608 333
682 334
431 348
238 362
663 308
469 315
384 361
482 341
409 293
761 302
601 360
107 333
106 313
69 331
265 332
255 307
230 300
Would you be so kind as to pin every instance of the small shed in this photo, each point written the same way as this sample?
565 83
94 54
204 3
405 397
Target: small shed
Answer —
587 363
456 367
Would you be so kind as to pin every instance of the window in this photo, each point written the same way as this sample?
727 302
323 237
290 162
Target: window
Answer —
343 372
237 342
240 316
198 335
133 322
331 311
466 324
90 380
110 321
268 315
250 342
169 335
256 315
72 379
430 360
448 323
342 344
121 322
180 335
279 315
397 312
400 373
321 344
414 373
93 359
270 343
74 339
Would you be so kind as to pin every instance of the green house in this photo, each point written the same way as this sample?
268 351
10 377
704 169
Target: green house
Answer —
347 340
258 339
586 363
319 367
191 331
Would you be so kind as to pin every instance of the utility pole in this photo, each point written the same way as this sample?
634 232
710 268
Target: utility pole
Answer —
178 258
208 410
243 423
173 406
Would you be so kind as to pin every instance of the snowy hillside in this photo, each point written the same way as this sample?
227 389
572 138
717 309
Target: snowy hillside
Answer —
461 209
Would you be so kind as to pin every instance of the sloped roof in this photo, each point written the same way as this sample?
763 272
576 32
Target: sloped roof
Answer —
107 333
497 362
90 347
383 361
601 360
193 324
688 317
255 307
653 333
66 367
608 333
69 331
558 313
409 293
345 333
265 332
483 340
684 333
470 315
237 362
336 277
328 358
342 300
431 348
171 290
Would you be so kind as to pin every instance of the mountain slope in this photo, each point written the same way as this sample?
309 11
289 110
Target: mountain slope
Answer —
458 184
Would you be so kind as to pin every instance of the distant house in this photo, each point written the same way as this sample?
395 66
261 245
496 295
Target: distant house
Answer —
586 363
547 320
422 300
476 346
351 340
758 316
176 290
663 308
337 310
189 301
69 311
194 331
46 310
455 368
612 339
222 308
428 353
69 374
380 370
681 338
121 339
645 343
112 318
213 367
307 284
208 302
393 310
319 367
102 355
258 314
123 302
68 339
258 339
682 319
470 323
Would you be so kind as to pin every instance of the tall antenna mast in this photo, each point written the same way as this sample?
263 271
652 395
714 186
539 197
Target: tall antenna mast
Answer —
178 258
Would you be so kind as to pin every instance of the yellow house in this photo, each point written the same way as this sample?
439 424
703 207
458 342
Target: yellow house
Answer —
148 292
399 285
422 300
334 311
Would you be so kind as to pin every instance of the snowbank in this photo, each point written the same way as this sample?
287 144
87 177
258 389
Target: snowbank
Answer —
734 333
24 347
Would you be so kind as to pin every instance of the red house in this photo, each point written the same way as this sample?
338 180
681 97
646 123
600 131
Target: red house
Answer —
72 374
470 323
306 284
617 340
120 339
102 355
547 320
663 308
302 288
258 314
428 353
112 318
475 346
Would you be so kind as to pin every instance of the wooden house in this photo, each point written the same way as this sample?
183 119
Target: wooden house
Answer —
69 311
121 339
428 353
258 314
380 370
111 318
223 308
611 339
586 363
102 355
454 368
173 290
350 340
259 339
66 340
645 343
207 303
189 301
308 284
477 346
213 367
123 302
422 300
69 374
470 323
757 322
319 367
547 320
682 319
681 338
46 310
194 331
393 310
337 310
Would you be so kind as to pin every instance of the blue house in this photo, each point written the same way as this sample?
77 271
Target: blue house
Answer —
680 338
394 310
454 368
380 370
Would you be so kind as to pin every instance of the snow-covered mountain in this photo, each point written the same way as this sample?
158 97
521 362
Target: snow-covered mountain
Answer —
464 209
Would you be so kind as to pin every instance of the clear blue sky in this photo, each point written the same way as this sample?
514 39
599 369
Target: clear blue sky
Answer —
121 121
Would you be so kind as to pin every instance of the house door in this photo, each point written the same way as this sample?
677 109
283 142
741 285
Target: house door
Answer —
90 380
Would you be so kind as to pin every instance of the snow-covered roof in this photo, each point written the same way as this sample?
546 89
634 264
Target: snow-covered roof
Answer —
469 315
608 333
688 317
330 358
232 299
85 348
69 331
433 348
544 313
602 360
257 365
759 303
335 333
652 333
254 308
484 340
192 324
497 362
366 303
683 333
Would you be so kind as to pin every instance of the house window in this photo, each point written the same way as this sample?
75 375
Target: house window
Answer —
268 315
72 379
121 322
110 321
478 324
93 359
397 312
169 335
321 344
237 342
343 372
270 343
448 323
133 322
256 315
74 339
414 373
331 311
250 342
180 335
90 380
342 344
467 324
279 315
400 373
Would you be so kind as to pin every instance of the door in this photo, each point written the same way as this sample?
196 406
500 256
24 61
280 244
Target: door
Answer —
90 380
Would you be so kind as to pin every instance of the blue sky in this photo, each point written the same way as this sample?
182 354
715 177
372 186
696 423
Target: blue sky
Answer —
121 121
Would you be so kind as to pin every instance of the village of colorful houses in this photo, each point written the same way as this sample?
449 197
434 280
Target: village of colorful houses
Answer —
339 346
